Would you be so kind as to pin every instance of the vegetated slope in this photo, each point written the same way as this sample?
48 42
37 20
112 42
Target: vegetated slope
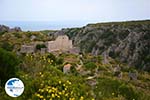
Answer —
44 79
128 42
88 79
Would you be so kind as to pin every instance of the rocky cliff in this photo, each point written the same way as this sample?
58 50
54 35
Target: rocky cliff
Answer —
128 42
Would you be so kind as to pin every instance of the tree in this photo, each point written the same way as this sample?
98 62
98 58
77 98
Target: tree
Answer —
8 65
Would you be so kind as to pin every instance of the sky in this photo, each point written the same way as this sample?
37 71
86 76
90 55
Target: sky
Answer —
74 10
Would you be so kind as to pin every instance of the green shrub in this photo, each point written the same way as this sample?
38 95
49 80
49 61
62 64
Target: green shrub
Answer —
17 34
7 46
59 60
110 88
8 65
52 58
39 46
90 65
128 92
52 83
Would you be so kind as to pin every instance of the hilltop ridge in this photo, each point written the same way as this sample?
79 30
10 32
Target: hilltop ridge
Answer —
128 42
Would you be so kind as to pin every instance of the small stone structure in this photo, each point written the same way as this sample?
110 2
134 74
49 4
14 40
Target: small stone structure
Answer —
66 68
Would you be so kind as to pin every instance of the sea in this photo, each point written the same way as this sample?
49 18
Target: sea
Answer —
43 25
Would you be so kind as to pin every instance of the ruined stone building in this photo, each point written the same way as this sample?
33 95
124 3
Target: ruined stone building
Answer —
30 48
62 43
27 49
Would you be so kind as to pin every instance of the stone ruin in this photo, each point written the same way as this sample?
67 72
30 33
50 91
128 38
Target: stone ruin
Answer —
62 43
66 68
30 48
27 49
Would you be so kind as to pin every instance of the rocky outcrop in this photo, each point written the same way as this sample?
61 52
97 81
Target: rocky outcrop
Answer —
4 29
128 42
15 29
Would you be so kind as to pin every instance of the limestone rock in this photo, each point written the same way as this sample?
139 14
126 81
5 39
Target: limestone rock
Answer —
128 42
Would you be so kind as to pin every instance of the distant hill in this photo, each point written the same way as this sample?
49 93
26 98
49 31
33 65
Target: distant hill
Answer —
128 42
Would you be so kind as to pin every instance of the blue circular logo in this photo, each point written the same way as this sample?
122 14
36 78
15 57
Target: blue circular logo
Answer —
14 87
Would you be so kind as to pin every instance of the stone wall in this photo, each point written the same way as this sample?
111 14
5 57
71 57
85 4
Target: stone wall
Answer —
62 43
27 49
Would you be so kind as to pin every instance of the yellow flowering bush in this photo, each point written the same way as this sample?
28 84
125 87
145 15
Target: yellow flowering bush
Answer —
60 91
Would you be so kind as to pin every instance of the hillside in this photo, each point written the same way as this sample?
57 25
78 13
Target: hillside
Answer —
128 42
103 70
